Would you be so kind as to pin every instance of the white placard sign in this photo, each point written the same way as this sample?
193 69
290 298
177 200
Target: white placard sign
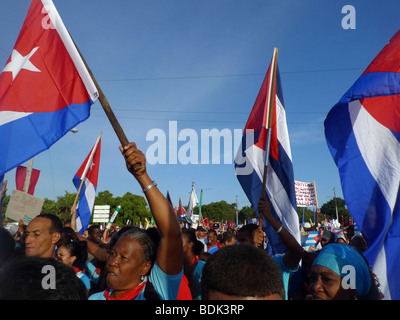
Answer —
23 206
305 194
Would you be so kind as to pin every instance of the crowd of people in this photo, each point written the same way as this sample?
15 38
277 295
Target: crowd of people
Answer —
48 259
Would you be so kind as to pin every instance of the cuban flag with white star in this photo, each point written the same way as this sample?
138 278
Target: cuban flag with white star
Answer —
85 181
45 88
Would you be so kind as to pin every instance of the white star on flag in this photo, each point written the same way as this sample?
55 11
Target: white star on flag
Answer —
19 62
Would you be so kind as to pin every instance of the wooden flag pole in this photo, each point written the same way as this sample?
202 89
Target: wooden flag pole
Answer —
269 102
316 201
107 108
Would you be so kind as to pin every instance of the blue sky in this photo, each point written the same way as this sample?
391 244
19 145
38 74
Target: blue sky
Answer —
201 64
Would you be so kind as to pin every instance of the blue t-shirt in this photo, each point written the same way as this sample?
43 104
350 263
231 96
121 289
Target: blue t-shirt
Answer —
213 249
197 272
85 279
285 272
165 285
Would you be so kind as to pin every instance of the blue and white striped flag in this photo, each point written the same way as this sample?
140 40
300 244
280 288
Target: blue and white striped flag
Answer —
363 135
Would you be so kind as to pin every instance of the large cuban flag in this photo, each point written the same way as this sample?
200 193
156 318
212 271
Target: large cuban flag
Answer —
45 88
249 164
363 135
85 181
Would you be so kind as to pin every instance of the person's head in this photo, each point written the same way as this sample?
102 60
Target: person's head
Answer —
94 233
130 260
204 256
358 242
201 233
339 272
66 235
7 246
241 272
73 253
188 241
42 235
327 237
229 238
34 278
67 223
245 233
212 237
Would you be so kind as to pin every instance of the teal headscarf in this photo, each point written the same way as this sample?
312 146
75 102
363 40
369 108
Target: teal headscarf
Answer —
337 255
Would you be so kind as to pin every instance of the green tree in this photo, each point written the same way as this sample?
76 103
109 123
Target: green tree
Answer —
220 211
50 207
105 198
246 213
64 205
329 210
133 208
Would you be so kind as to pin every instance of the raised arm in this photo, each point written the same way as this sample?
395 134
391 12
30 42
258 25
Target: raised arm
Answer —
170 250
295 252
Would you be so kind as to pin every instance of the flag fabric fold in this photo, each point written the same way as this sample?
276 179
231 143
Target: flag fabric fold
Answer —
85 181
249 163
45 88
363 135
193 203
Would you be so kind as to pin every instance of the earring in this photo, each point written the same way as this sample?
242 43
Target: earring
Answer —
141 277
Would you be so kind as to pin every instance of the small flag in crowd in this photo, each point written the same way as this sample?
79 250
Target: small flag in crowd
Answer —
249 162
169 199
20 176
314 237
85 181
45 88
363 135
193 203
181 210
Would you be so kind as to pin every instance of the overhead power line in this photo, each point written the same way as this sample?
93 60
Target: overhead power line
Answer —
224 75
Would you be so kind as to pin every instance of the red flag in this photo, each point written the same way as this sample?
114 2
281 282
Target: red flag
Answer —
45 88
20 179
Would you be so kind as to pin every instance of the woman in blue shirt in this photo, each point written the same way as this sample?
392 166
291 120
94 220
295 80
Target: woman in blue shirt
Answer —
130 271
73 253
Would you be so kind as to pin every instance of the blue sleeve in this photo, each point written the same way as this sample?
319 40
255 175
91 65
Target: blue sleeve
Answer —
85 279
167 286
285 272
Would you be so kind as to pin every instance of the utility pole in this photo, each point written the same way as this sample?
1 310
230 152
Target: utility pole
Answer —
237 222
334 195
28 176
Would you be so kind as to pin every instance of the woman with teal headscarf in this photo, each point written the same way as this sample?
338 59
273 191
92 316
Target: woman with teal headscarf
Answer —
339 272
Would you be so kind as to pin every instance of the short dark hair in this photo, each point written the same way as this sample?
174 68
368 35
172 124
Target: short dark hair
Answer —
21 279
245 233
144 239
228 236
56 223
243 271
77 249
92 228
